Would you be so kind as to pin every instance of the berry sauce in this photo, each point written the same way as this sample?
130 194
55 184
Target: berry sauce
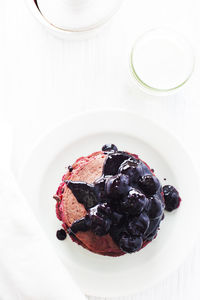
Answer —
126 201
61 234
172 198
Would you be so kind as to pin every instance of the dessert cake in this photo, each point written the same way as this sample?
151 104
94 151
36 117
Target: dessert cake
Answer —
111 202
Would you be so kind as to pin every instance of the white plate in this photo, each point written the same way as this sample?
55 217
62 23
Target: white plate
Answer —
83 134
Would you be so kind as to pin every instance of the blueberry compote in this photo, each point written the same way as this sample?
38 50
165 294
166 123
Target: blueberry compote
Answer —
126 201
61 234
172 198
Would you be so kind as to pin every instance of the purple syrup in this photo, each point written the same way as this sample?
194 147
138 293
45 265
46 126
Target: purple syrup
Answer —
109 148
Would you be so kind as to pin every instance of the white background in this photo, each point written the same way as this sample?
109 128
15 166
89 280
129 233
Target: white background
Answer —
44 79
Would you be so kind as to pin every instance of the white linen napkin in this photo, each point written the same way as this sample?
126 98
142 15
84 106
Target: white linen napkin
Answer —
29 267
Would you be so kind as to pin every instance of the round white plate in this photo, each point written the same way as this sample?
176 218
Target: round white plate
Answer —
83 134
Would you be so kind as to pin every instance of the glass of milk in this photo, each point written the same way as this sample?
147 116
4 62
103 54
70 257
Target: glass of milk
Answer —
162 61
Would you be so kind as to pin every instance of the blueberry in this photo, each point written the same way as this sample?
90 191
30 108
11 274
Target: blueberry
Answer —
129 168
113 162
130 162
153 229
70 168
135 169
117 186
172 198
149 184
116 232
133 203
100 226
139 225
130 244
61 234
155 207
117 218
109 148
103 210
152 235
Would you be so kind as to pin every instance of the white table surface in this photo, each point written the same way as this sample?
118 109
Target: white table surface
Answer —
45 79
